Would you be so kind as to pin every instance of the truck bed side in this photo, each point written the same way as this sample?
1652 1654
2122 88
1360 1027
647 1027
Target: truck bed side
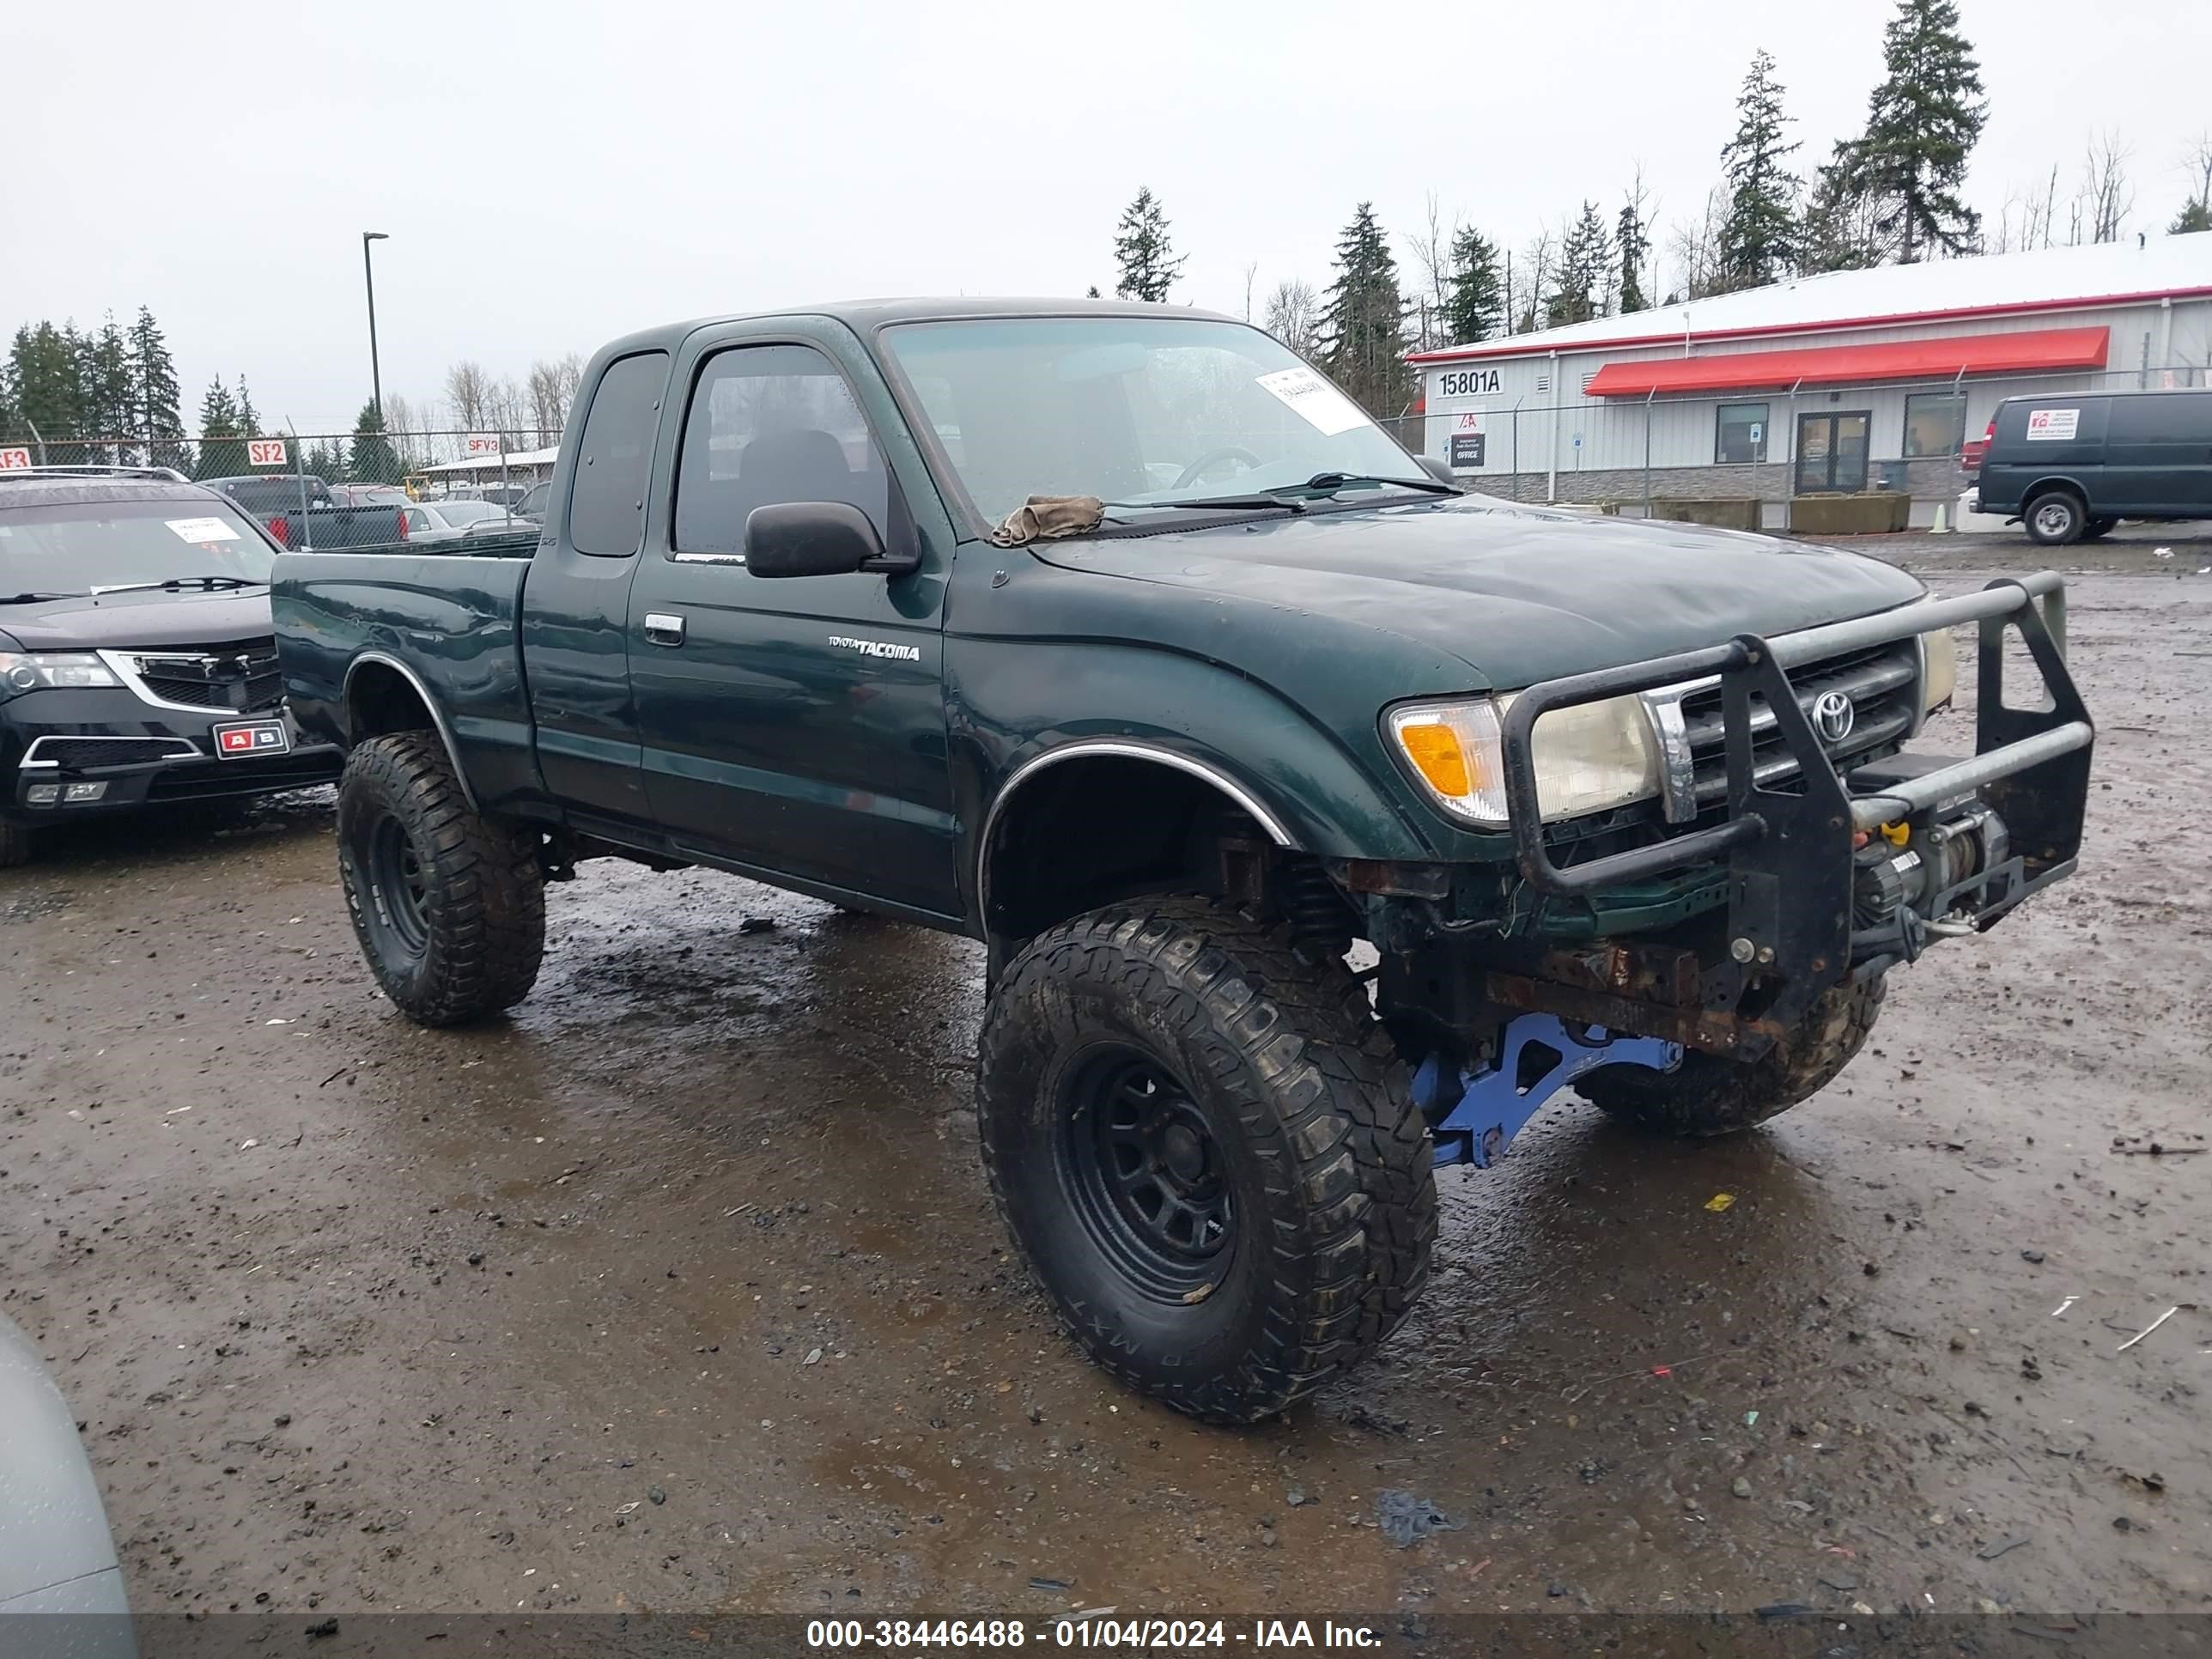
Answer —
361 636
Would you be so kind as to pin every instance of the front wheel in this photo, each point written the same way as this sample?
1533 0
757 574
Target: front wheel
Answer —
449 906
14 844
1707 1095
1207 1150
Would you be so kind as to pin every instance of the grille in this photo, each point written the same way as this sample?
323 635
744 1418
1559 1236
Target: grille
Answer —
108 751
240 678
218 779
1883 685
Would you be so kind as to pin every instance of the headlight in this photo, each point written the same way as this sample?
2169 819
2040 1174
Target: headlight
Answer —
1939 669
1589 757
21 671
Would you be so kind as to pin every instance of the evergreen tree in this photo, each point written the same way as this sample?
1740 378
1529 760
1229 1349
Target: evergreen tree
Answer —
45 368
222 444
104 377
1841 231
2198 216
1922 122
1584 272
1362 321
1632 238
1141 248
1760 237
155 393
1474 297
248 418
374 459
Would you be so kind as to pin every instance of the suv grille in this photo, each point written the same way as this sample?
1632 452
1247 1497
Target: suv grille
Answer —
1882 683
239 678
75 752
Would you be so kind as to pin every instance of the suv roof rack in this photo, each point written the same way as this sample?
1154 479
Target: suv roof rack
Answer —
168 474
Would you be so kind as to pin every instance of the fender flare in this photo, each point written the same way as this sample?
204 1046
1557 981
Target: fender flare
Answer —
384 659
1239 793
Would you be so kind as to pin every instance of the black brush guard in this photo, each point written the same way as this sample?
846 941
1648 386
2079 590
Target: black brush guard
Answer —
1789 855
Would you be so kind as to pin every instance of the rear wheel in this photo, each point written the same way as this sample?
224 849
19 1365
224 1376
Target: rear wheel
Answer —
1207 1150
14 843
2098 529
2056 518
1707 1095
449 906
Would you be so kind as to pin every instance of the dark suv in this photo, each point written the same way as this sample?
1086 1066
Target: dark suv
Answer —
2071 465
137 664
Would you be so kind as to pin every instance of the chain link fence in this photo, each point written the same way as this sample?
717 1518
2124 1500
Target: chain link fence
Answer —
441 464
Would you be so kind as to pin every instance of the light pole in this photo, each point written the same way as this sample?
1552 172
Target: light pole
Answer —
368 277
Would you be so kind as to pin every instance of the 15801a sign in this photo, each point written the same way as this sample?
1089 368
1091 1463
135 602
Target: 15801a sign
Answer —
1466 382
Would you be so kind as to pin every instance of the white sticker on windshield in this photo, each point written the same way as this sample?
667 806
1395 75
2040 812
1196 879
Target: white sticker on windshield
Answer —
202 531
1320 405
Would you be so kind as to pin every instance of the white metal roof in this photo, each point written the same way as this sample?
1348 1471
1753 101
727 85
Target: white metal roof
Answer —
2040 279
491 463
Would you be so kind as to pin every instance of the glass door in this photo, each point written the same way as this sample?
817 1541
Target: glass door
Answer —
1832 453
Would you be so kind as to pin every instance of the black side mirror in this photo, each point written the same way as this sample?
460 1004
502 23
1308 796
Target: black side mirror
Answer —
1440 470
814 539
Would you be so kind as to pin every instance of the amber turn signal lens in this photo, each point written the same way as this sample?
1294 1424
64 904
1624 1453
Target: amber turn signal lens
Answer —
1435 749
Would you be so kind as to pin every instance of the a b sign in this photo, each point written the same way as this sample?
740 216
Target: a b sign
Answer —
265 451
14 460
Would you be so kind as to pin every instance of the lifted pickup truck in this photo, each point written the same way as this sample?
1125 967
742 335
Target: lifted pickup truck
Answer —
1117 637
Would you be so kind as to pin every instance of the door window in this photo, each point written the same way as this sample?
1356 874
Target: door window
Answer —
1832 453
770 424
614 456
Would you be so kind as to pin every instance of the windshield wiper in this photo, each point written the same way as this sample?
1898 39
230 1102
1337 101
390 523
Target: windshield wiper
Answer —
32 598
1219 503
175 584
1328 483
1291 498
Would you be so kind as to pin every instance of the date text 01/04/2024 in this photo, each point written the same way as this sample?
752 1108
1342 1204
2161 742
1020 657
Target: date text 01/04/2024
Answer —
1099 1631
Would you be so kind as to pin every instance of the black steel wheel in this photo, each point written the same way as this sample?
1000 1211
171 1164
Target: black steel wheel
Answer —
1208 1152
1145 1173
449 906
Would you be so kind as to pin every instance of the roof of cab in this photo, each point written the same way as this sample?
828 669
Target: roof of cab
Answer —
47 490
865 316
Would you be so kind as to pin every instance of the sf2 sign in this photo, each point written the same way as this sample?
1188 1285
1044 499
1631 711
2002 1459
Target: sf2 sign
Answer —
14 460
265 451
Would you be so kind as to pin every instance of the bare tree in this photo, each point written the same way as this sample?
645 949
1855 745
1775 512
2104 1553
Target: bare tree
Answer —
400 424
508 412
1432 249
1251 276
2107 197
1695 248
1294 316
2197 165
552 390
1536 262
468 390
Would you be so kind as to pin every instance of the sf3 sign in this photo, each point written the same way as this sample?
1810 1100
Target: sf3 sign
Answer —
265 451
14 460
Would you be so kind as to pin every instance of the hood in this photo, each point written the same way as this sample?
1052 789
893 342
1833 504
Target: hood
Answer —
133 621
1519 594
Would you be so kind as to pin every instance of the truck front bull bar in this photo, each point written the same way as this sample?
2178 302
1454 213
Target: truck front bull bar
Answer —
1789 846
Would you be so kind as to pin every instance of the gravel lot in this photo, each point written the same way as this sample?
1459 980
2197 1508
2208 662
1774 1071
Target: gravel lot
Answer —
681 1290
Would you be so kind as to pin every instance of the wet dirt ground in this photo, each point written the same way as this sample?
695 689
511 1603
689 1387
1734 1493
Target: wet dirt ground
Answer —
681 1289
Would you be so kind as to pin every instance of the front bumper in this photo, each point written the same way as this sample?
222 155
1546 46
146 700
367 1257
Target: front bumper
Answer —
114 752
1790 852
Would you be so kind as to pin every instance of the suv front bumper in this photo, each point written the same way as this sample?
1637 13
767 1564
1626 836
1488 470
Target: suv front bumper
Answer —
114 752
1796 853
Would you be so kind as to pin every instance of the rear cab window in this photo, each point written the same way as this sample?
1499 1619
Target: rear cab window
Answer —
613 457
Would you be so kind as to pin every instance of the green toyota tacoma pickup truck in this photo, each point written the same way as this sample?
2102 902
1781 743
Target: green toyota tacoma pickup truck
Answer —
1117 638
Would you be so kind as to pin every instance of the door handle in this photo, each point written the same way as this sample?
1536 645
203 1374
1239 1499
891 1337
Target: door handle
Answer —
662 629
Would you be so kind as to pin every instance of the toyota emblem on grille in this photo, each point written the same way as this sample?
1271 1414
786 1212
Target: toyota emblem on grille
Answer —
1833 716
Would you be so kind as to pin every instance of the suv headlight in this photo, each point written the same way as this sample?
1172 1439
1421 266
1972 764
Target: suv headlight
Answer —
1590 757
1939 669
40 671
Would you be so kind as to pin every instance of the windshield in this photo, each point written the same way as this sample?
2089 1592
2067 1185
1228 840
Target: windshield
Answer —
1133 409
457 513
75 546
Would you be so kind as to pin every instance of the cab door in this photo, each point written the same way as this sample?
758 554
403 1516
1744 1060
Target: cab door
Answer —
794 726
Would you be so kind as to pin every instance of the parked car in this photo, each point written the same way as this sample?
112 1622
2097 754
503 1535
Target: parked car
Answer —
1169 713
444 522
368 495
57 1556
2071 465
532 504
137 665
274 499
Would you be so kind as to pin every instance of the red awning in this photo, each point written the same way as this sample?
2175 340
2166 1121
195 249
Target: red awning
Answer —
1888 360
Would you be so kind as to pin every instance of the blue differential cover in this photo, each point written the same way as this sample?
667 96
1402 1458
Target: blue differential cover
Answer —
1495 1103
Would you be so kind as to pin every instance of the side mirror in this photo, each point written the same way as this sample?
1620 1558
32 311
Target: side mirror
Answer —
814 539
1440 470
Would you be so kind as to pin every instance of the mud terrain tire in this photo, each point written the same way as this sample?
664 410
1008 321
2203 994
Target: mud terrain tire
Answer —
449 906
1709 1095
1148 1059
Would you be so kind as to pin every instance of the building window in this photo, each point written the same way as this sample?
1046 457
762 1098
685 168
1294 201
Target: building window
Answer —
1935 424
1742 437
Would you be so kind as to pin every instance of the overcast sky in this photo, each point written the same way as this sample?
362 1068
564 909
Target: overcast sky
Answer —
557 172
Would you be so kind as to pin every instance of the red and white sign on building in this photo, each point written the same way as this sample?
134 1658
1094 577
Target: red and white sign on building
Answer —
483 443
265 451
14 460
